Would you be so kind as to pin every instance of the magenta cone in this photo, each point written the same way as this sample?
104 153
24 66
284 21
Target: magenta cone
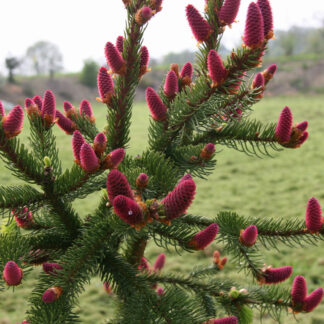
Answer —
100 143
313 218
77 142
49 108
254 30
120 43
204 237
12 123
155 104
105 85
299 290
88 158
51 294
142 180
65 123
50 268
114 59
145 56
159 262
12 274
2 110
228 11
199 26
277 275
302 126
39 102
86 109
266 11
117 184
114 158
313 300
226 320
249 236
216 69
284 126
171 85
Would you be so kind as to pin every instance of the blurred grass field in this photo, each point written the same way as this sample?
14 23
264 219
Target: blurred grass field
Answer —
268 187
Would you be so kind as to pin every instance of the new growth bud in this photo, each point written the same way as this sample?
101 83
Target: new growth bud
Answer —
128 210
254 30
248 237
143 15
186 74
105 86
12 274
12 123
199 26
207 151
216 69
155 104
114 59
52 294
65 123
77 142
228 11
313 218
204 237
179 199
142 181
100 143
145 56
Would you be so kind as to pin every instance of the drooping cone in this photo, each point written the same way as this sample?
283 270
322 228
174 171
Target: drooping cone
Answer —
159 262
52 294
207 151
199 26
24 219
114 59
143 15
145 56
284 126
13 123
254 30
120 43
248 237
171 85
128 210
114 158
39 102
86 110
51 267
224 320
31 107
105 85
298 291
117 184
12 274
100 143
142 180
266 11
269 73
204 237
77 142
313 300
186 74
65 123
216 69
276 275
155 104
313 218
179 199
2 110
228 11
88 158
49 108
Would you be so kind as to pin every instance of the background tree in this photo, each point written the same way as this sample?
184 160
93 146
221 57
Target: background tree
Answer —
45 58
89 72
11 64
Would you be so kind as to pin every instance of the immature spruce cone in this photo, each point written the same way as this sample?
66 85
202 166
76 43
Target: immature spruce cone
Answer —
2 111
314 218
49 108
228 11
39 102
114 59
77 142
100 143
143 15
51 267
258 81
284 126
12 274
249 236
145 56
254 31
65 123
313 300
159 262
269 72
179 199
216 69
105 85
277 275
266 11
120 43
302 126
186 74
298 291
199 26
86 110
88 158
114 158
155 104
52 294
12 123
171 85
225 320
204 237
117 184
24 219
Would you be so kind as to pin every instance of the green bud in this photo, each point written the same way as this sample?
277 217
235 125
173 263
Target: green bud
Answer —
245 315
47 162
234 293
104 192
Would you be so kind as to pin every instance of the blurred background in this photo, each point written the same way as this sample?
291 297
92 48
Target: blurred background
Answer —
60 46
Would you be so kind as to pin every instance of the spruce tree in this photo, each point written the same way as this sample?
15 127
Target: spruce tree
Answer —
145 197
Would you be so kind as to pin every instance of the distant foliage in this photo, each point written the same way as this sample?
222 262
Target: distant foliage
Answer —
88 76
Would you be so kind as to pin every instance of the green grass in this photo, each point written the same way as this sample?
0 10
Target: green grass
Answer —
269 187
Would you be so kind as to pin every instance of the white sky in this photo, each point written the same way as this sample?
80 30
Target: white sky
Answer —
81 27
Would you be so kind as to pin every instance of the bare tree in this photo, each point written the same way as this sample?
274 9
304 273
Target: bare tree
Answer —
45 58
11 64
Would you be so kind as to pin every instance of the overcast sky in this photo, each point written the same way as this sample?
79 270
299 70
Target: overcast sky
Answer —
82 27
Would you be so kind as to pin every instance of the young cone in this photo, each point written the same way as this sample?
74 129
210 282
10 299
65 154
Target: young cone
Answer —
171 85
228 11
276 275
155 104
12 274
225 320
156 5
216 69
114 158
159 262
258 81
199 26
248 237
302 139
100 143
145 56
254 31
86 110
117 184
120 43
2 110
313 218
179 199
24 219
39 102
52 294
65 123
143 15
302 126
128 210
186 177
31 107
13 123
266 11
49 108
77 142
105 86
269 73
142 181
186 74
204 237
313 300
114 59
298 291
284 126
50 268
88 158
207 151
